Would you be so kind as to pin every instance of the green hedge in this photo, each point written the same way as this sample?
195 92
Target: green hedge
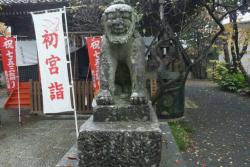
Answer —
233 81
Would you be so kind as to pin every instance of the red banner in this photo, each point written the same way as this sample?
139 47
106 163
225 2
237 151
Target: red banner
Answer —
94 50
8 50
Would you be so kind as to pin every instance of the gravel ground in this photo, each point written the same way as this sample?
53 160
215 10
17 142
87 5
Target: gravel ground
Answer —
221 124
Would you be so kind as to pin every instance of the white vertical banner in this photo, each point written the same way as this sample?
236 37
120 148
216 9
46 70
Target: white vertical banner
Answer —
52 62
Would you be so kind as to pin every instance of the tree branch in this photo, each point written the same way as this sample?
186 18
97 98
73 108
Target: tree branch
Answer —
222 29
244 49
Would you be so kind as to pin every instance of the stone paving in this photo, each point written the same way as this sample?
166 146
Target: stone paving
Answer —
221 124
38 143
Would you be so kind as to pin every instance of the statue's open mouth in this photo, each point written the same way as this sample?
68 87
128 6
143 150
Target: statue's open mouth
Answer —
119 31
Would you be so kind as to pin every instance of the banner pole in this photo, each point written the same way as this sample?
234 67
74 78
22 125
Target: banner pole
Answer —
71 73
18 92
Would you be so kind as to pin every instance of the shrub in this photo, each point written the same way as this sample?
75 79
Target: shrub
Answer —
227 79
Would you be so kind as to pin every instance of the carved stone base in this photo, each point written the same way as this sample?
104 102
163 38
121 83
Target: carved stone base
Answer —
124 144
124 112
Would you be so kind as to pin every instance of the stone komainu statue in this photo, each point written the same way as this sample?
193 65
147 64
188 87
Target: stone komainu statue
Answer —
121 44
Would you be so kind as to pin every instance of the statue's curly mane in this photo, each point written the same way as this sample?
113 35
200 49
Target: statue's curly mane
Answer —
118 2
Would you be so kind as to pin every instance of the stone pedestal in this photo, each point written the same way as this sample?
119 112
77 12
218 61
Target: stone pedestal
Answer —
121 143
122 111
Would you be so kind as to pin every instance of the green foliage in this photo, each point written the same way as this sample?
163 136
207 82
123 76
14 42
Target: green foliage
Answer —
182 134
233 81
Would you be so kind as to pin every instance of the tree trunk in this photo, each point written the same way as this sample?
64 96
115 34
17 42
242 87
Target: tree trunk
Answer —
199 70
234 57
226 53
242 69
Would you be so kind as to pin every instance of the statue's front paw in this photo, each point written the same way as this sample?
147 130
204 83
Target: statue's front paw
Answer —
104 97
138 98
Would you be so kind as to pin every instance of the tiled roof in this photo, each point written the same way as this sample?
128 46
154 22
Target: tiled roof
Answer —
9 2
24 7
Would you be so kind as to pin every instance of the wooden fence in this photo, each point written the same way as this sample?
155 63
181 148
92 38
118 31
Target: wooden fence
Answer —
36 100
83 96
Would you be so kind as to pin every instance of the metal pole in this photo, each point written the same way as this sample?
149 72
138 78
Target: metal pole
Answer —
18 91
71 74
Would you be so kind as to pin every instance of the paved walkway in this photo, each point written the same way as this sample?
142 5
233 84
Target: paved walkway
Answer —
222 127
38 143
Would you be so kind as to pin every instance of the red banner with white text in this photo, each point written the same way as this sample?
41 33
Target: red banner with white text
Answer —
8 51
94 50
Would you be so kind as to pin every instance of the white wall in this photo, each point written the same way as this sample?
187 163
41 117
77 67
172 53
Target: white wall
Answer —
245 60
